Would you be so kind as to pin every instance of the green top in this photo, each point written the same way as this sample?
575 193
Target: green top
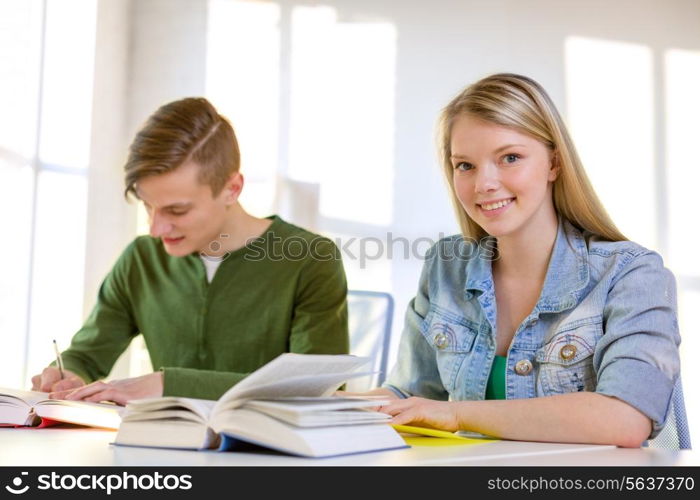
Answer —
283 292
496 386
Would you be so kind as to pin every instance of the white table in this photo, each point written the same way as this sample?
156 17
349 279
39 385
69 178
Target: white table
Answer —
91 447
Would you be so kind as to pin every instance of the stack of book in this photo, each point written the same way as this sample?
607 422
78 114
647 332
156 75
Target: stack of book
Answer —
286 405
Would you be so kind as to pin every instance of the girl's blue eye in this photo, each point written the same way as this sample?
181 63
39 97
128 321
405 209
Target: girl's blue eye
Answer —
511 158
464 166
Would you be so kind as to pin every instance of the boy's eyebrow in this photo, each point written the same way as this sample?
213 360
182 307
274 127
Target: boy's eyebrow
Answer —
498 150
181 204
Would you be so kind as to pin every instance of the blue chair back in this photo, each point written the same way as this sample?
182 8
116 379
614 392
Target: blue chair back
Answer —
676 434
370 315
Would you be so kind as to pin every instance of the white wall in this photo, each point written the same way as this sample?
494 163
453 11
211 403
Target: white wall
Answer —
167 55
110 221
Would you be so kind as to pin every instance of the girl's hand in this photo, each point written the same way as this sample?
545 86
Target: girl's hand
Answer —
423 413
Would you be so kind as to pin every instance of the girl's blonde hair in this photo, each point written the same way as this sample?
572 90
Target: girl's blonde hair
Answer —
520 103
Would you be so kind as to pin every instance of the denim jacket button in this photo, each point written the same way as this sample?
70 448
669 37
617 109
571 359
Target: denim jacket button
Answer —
523 367
568 352
440 340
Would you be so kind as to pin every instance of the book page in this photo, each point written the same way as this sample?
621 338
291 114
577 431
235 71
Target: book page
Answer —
33 398
200 408
304 405
163 415
309 413
306 386
295 375
110 407
322 418
107 416
22 398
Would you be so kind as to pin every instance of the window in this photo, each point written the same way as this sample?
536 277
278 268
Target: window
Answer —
46 52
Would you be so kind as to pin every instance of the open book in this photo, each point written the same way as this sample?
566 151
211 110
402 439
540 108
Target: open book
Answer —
285 405
32 409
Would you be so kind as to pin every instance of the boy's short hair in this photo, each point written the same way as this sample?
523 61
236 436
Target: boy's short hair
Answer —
186 130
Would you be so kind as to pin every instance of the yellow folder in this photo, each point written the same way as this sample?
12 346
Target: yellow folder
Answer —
422 436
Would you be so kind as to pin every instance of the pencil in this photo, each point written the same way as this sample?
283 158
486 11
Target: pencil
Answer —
59 359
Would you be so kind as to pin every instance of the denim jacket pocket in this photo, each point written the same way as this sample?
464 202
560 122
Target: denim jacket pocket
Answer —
566 361
451 337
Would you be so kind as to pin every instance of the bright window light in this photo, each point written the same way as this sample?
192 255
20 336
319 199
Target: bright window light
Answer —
683 166
683 173
20 38
59 259
242 81
342 113
68 79
610 111
16 207
47 51
20 43
689 322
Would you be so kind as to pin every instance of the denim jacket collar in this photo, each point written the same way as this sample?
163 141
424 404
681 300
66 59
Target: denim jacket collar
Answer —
561 287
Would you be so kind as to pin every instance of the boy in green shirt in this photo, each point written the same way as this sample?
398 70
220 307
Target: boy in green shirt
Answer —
215 292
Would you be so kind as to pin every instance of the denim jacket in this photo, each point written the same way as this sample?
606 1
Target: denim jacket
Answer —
605 321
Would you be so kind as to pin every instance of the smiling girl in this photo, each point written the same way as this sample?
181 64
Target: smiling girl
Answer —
568 334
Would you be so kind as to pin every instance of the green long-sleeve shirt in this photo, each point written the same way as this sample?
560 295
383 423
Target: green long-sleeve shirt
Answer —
284 292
